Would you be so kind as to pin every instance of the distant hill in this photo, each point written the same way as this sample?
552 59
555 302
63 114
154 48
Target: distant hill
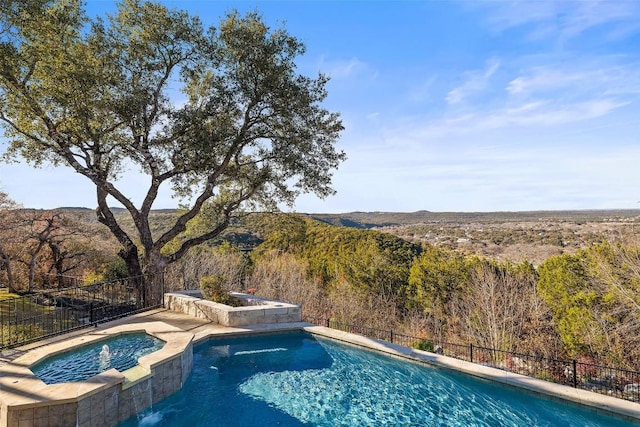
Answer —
73 209
534 235
360 219
365 220
389 219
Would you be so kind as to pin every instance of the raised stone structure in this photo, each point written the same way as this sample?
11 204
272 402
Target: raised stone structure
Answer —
255 310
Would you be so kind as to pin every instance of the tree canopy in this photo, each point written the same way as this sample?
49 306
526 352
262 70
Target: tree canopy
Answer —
218 114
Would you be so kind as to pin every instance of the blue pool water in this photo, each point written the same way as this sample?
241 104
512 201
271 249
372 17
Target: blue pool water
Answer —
298 380
121 352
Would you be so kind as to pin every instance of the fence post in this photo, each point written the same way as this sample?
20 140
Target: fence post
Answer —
575 374
91 312
328 320
471 353
2 324
391 335
162 287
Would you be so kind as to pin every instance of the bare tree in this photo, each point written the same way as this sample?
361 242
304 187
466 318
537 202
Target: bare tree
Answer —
351 304
496 307
225 262
39 229
282 276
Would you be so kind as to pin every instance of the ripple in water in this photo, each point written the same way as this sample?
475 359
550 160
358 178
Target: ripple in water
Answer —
296 380
362 388
121 353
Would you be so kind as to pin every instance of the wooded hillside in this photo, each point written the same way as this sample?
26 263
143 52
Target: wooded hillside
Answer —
440 278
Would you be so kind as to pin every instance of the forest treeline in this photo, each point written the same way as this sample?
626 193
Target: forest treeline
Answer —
583 305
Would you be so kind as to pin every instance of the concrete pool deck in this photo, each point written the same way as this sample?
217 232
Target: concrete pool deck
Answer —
202 329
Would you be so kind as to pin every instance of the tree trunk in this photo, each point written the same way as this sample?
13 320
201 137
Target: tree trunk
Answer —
33 263
6 259
57 262
130 256
155 265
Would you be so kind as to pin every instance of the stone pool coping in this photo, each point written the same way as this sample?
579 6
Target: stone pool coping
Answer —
26 400
594 401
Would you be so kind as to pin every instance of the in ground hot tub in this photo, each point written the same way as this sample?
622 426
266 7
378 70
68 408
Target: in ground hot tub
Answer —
120 352
105 398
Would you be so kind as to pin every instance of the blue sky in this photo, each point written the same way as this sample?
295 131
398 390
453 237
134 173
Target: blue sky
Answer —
449 105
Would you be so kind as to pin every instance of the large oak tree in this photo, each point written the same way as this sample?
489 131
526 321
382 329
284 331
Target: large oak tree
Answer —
219 115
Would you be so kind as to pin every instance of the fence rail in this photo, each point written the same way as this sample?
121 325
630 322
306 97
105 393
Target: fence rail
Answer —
620 383
35 316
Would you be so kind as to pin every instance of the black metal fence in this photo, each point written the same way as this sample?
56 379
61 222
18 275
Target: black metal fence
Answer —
620 383
35 316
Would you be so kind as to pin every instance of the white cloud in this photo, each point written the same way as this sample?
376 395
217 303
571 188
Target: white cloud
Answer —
422 91
536 91
601 76
562 19
621 15
475 82
538 115
526 108
344 68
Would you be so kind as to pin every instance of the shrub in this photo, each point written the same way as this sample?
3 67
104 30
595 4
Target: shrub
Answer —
424 345
212 289
108 272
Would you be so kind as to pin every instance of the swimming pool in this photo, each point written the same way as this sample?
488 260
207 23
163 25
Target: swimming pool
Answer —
296 379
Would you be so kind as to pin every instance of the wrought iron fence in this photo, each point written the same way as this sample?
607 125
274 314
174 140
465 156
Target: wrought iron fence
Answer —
35 316
620 383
